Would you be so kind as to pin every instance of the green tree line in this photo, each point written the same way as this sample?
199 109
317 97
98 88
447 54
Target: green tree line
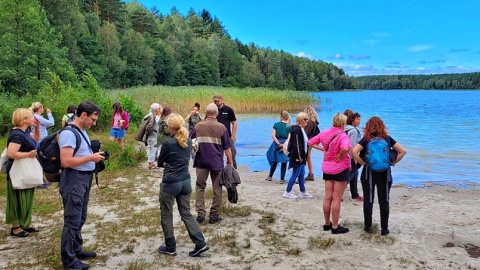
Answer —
124 44
437 81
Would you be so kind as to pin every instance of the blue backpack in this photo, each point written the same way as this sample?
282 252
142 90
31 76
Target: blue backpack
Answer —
378 154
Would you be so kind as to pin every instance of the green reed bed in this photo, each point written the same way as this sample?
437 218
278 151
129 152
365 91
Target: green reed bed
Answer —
243 100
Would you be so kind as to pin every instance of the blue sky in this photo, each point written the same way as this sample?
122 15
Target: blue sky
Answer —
364 37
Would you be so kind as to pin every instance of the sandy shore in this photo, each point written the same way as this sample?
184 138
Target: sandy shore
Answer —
434 227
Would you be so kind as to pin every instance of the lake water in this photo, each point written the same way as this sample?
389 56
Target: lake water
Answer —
439 129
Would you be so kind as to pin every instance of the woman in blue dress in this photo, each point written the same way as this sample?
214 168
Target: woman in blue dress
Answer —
275 153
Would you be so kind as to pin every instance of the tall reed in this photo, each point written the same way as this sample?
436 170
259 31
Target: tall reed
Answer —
242 100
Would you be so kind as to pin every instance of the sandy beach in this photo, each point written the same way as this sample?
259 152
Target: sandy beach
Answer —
434 227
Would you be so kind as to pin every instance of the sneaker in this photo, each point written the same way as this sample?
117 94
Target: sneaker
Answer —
340 230
368 229
200 219
78 265
385 232
327 227
86 255
166 251
269 178
198 251
289 195
304 195
283 181
310 177
215 219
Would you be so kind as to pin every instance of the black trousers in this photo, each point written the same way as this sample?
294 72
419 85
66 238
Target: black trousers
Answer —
383 183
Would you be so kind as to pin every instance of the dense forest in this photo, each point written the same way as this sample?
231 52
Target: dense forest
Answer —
124 45
438 81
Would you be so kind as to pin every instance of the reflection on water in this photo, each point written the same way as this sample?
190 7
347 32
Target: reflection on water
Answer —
439 129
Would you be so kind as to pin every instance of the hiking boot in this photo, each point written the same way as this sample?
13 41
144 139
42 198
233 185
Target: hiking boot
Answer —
304 195
78 265
198 251
289 195
167 251
86 255
385 232
215 219
200 219
310 177
269 178
340 230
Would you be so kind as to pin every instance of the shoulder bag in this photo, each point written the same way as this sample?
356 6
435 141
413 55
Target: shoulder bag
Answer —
26 173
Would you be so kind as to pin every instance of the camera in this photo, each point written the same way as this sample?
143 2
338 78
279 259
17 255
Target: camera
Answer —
106 154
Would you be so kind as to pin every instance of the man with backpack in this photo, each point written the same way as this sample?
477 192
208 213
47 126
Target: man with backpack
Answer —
75 184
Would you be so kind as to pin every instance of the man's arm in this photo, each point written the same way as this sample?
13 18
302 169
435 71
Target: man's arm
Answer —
228 153
234 130
69 161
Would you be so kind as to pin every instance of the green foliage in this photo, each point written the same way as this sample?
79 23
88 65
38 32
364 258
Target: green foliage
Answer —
29 49
439 81
121 157
124 44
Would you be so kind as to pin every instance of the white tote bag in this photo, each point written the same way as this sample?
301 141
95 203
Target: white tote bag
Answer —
3 161
26 173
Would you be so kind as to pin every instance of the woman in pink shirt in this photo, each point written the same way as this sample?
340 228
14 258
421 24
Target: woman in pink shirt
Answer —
335 167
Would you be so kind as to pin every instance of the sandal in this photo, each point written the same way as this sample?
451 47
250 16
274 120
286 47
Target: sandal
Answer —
21 233
30 229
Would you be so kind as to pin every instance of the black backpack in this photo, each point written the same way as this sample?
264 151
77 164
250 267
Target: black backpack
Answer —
48 152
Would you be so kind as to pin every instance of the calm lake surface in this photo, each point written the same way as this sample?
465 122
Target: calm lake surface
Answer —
439 129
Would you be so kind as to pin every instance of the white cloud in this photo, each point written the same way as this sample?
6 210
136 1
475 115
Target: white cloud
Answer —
302 54
419 48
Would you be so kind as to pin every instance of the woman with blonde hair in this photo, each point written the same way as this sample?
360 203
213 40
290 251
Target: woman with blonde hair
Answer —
297 147
312 130
21 143
275 152
38 111
335 167
176 187
376 130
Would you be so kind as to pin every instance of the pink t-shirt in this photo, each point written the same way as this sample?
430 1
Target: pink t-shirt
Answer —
329 164
116 120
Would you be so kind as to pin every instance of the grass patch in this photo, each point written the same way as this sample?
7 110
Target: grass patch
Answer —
376 237
319 242
242 100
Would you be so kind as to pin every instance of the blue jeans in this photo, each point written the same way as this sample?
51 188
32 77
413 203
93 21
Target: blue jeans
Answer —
298 172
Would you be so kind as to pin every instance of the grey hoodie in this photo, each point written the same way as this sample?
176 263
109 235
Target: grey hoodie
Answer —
354 135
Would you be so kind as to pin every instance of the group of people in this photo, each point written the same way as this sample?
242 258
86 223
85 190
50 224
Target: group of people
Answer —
75 182
215 136
343 145
345 151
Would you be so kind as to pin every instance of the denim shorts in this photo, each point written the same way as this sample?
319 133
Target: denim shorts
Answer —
117 133
341 176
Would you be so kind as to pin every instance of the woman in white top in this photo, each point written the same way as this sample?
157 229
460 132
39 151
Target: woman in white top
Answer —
38 111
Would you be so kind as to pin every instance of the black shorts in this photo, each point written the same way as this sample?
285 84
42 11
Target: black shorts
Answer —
341 176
